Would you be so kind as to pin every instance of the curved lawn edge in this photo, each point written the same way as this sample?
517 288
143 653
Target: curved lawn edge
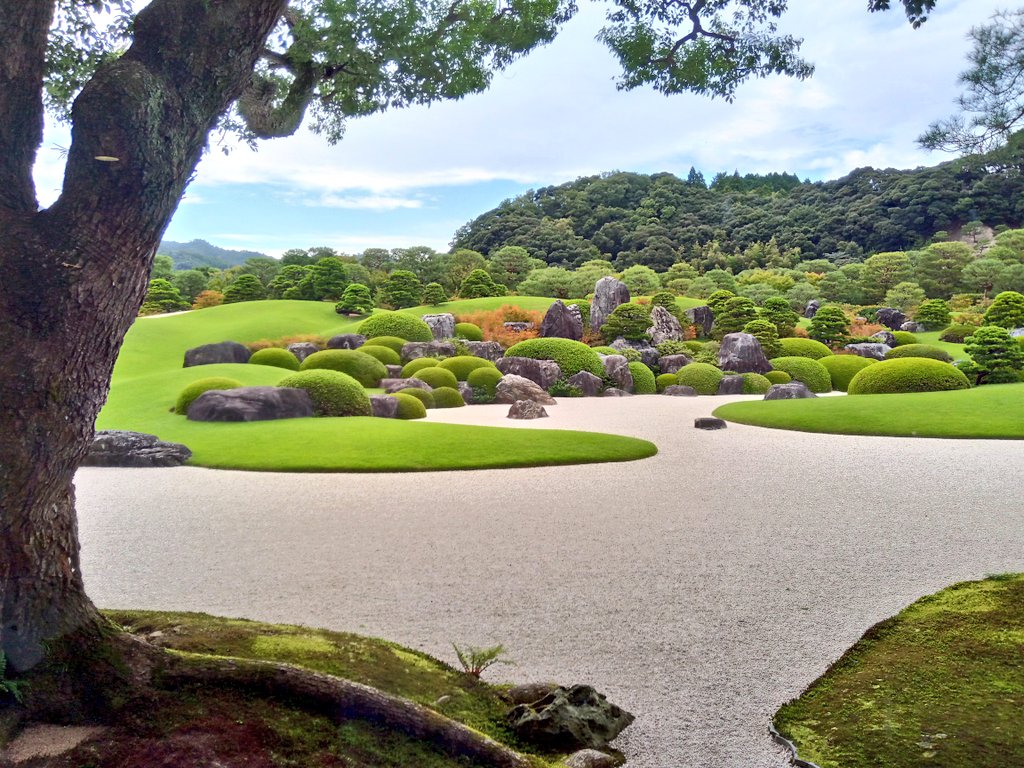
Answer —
989 412
790 747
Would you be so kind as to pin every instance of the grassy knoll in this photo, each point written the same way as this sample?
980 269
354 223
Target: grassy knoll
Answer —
994 411
149 376
956 351
940 684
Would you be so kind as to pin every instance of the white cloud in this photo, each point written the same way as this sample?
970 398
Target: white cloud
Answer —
365 203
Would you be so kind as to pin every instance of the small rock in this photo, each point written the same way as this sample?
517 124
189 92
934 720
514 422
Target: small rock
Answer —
812 308
672 363
875 351
680 390
891 318
384 406
346 341
648 355
913 327
616 392
467 393
885 337
390 386
442 325
589 384
303 349
221 352
570 718
590 758
120 448
730 385
413 350
793 390
526 409
709 422
512 388
518 327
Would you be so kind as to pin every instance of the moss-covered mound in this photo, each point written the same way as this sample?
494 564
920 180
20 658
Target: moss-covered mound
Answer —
919 350
188 395
409 407
463 365
410 368
956 334
605 350
420 394
333 393
438 377
913 374
703 377
795 346
664 381
778 377
571 356
842 368
365 369
275 357
397 324
469 332
810 372
386 355
393 343
446 397
643 379
484 382
755 384
904 337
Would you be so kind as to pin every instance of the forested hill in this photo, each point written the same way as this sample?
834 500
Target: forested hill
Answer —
200 253
659 219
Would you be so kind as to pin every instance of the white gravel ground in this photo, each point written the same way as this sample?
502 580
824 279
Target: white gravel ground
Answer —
700 589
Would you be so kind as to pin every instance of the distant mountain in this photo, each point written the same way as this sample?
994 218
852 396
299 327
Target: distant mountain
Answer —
200 253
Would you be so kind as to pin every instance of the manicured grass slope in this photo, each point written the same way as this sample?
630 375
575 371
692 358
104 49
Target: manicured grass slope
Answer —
995 411
940 684
149 376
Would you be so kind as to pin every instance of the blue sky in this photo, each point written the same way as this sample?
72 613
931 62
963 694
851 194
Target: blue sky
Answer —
412 177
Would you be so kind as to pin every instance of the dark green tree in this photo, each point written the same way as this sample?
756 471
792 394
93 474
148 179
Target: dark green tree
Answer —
401 289
244 288
996 357
329 279
434 294
162 296
163 267
766 333
355 301
630 321
939 268
983 275
292 276
1006 310
933 314
190 283
735 314
718 299
778 312
509 266
478 284
830 326
263 267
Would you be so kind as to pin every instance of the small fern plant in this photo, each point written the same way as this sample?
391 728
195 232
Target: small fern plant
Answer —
475 660
7 686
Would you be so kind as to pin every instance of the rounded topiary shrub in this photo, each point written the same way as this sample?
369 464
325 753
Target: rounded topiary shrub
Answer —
196 388
904 337
409 407
912 374
384 354
484 382
643 379
665 380
395 324
333 393
795 346
755 384
437 377
778 377
391 342
418 364
420 394
919 350
842 368
605 350
693 347
366 369
810 372
703 377
276 358
469 332
446 397
957 333
463 365
571 356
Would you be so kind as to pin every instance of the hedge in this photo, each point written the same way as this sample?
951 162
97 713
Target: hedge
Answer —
446 397
703 377
418 364
469 332
842 368
437 377
409 407
664 381
276 358
196 388
463 365
365 369
386 355
904 337
333 393
643 379
484 382
810 372
571 356
778 377
919 350
957 333
395 324
794 346
913 374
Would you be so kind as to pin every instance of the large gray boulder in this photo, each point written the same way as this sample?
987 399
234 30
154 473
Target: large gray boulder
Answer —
885 337
413 350
384 406
672 363
616 368
303 349
390 386
664 326
608 294
441 325
562 322
251 404
221 352
526 409
874 351
703 318
679 390
488 350
346 341
812 308
709 423
793 390
118 448
467 393
587 383
913 327
648 355
891 318
512 388
542 372
730 385
742 353
569 719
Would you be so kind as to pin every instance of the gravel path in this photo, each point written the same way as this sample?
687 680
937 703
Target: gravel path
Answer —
700 589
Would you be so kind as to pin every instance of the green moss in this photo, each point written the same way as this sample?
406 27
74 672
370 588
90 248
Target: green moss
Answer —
394 343
795 346
842 368
919 350
446 397
957 333
365 369
810 372
279 358
915 374
188 395
755 384
333 393
420 394
410 368
604 350
665 380
399 324
778 377
383 354
410 407
438 377
469 332
463 365
904 337
484 382
571 356
703 377
643 379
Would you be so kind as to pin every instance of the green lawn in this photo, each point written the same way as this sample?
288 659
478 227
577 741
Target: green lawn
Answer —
148 377
995 411
941 684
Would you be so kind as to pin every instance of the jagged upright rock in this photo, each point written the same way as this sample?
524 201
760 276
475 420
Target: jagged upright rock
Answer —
303 349
221 352
488 350
562 322
570 718
608 294
544 373
672 363
885 337
384 406
664 326
703 318
891 318
442 325
616 367
742 353
731 385
812 308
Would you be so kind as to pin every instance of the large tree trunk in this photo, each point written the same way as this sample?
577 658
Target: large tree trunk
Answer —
73 276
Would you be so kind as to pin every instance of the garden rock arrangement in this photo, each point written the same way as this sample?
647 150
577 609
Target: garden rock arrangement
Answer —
221 352
608 294
570 718
442 325
742 353
118 448
414 350
513 388
874 351
251 404
891 318
562 322
526 409
795 390
544 373
346 341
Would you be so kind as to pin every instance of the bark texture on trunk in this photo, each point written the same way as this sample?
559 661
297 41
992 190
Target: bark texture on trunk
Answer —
74 275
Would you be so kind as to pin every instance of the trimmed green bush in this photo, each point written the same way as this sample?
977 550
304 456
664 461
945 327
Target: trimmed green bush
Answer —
810 372
409 407
904 337
1006 310
484 382
196 388
420 394
703 377
933 314
366 369
755 384
766 333
643 379
842 368
463 365
410 368
446 397
384 354
630 321
631 355
395 324
437 377
394 343
694 346
469 332
956 334
605 350
584 306
333 393
779 377
915 374
665 380
919 350
571 356
276 358
794 346
673 348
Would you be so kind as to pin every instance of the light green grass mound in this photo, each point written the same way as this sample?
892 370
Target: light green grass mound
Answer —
425 397
664 381
484 382
393 343
279 358
409 369
189 394
940 684
915 374
842 368
571 356
446 397
438 377
919 350
399 324
795 346
383 354
703 377
333 393
905 337
810 372
469 332
778 377
463 365
643 379
365 369
755 384
409 407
